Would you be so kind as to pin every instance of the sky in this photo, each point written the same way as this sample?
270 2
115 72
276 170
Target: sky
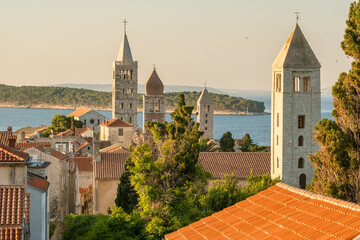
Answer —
225 44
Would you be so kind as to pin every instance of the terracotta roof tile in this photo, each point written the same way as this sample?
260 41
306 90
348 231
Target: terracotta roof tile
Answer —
27 210
115 122
65 133
5 136
12 206
79 112
88 142
117 147
280 212
8 154
27 145
111 166
221 163
83 163
37 181
79 131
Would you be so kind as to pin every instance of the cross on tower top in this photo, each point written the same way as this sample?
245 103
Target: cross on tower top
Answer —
297 13
125 22
154 66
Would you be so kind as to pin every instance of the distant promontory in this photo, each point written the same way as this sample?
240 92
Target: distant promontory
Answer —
70 98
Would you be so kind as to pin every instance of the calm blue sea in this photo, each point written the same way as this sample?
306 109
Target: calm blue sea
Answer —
257 126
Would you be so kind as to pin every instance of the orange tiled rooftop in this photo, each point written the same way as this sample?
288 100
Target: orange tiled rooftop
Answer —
280 212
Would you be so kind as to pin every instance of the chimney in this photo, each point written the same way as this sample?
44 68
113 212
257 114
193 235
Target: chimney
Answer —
96 146
12 141
9 129
22 137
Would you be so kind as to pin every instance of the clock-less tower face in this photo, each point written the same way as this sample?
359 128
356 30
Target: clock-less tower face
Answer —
125 83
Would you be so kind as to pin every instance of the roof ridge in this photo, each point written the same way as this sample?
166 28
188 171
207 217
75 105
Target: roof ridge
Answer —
321 197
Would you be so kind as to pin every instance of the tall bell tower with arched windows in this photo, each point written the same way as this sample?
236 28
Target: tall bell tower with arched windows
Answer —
153 100
125 83
205 114
295 110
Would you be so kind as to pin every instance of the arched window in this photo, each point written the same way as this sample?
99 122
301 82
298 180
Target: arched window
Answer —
131 74
130 105
301 141
277 139
277 162
151 109
205 114
208 108
157 109
302 181
123 91
301 163
130 120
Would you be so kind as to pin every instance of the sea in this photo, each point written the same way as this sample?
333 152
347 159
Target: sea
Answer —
258 126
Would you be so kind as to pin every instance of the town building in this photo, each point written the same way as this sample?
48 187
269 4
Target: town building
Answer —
39 207
154 100
205 114
295 110
241 164
107 173
117 131
280 212
124 85
90 118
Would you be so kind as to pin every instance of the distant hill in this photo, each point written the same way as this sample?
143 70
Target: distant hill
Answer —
70 98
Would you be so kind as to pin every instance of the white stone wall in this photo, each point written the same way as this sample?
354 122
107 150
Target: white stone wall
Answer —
13 174
206 119
124 92
112 134
92 119
284 138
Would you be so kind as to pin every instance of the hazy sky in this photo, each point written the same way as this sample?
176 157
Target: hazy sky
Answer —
227 44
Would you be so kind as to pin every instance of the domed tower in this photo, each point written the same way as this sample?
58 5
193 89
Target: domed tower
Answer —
295 110
153 100
124 89
205 114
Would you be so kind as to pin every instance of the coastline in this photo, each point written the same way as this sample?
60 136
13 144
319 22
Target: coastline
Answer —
67 107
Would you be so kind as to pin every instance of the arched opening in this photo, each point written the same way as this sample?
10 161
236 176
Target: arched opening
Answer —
151 107
301 141
301 163
208 108
130 120
302 181
157 109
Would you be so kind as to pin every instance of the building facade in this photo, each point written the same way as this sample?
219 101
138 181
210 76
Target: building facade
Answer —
154 100
124 85
295 110
117 131
205 114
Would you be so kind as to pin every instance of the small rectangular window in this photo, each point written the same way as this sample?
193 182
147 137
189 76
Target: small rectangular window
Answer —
296 84
278 82
301 121
130 105
277 120
121 132
121 105
84 121
277 139
306 84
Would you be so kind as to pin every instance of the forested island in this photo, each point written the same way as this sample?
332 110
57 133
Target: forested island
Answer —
71 98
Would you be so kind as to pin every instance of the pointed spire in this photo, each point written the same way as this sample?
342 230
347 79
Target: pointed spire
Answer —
125 52
296 53
205 97
154 85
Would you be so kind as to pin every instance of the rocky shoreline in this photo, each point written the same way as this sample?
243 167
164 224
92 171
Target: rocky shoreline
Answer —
67 107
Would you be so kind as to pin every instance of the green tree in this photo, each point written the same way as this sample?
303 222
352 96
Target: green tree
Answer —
165 173
126 196
337 163
61 123
227 143
247 143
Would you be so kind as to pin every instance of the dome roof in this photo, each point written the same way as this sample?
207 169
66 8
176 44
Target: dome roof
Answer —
153 85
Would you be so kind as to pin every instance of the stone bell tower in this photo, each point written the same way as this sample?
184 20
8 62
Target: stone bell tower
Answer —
295 110
205 114
125 83
154 100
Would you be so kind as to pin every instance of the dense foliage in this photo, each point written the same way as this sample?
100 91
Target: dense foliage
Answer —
337 162
61 123
28 96
227 142
249 146
126 196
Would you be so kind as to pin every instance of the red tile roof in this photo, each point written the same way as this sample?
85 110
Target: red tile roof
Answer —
79 131
221 163
280 212
52 152
8 154
88 190
4 137
79 112
37 181
13 207
111 166
115 122
27 145
115 148
83 163
65 133
103 144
